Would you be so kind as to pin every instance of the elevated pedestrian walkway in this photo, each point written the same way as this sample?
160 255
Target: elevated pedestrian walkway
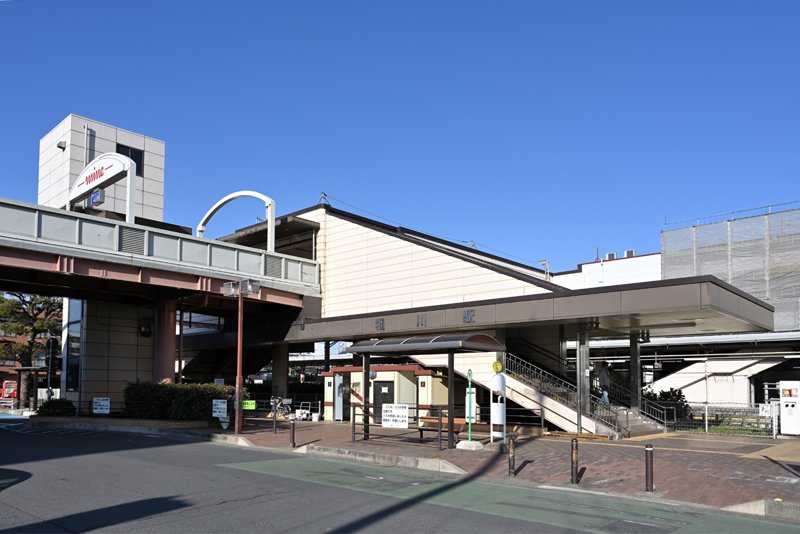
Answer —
85 248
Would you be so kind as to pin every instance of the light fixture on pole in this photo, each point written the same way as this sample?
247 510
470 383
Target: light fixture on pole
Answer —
239 289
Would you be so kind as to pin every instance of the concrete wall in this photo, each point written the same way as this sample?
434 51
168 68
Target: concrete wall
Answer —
643 268
114 353
364 270
58 169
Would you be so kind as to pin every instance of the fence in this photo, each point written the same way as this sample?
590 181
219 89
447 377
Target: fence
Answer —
725 419
433 419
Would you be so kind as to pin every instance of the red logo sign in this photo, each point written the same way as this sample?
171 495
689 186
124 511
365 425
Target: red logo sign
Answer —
95 175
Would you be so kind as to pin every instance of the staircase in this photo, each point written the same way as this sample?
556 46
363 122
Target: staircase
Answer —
650 418
535 389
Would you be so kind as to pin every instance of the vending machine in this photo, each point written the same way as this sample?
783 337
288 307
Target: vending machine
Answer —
789 409
9 389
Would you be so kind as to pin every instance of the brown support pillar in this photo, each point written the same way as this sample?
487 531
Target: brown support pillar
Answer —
280 370
180 344
239 419
164 356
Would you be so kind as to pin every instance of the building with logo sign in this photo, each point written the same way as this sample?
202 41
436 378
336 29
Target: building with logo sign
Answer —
328 275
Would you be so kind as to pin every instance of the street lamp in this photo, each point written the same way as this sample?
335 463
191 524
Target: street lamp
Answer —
230 289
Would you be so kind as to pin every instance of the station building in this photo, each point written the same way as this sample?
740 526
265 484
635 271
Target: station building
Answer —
371 281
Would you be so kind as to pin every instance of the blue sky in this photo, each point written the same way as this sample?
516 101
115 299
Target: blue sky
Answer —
536 129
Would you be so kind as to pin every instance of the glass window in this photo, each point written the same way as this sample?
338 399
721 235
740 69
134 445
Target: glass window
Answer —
135 154
73 352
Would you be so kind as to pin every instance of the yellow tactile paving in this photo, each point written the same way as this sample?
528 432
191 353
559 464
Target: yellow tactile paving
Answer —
785 452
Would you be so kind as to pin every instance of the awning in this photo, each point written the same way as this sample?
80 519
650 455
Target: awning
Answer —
398 346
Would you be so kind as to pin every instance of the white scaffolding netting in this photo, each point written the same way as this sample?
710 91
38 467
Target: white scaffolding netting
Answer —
760 255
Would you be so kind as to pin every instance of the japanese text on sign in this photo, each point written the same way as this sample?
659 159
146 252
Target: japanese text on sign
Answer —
394 416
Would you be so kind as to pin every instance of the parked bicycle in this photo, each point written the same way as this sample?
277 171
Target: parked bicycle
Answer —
281 408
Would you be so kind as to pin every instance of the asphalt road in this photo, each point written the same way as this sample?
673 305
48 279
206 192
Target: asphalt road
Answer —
78 481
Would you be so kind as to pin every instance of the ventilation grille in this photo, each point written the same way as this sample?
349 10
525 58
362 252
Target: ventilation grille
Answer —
131 240
273 267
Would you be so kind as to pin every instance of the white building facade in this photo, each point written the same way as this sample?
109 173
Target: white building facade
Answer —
66 150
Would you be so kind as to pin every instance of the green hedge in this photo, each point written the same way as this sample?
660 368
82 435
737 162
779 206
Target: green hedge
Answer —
56 407
177 402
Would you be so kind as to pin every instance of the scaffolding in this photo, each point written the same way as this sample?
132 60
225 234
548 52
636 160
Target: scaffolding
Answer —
758 254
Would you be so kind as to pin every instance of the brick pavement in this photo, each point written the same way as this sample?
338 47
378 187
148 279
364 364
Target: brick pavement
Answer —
715 471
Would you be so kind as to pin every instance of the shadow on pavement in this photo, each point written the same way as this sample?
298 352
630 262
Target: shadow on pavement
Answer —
522 466
581 472
12 477
104 517
793 469
22 444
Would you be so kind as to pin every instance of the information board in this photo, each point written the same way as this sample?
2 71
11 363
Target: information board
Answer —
101 405
470 400
394 416
219 408
248 405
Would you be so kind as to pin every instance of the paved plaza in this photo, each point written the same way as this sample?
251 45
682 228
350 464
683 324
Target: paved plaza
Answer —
696 468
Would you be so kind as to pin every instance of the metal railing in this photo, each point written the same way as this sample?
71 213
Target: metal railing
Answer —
648 408
93 237
728 419
559 389
436 414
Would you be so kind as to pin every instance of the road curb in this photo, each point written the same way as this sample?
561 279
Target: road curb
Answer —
771 508
387 460
227 439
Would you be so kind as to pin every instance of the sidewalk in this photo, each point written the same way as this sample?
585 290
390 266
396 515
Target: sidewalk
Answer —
700 469
716 471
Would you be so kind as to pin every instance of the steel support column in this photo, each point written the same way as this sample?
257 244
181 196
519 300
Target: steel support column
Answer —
451 399
237 427
365 396
635 370
582 376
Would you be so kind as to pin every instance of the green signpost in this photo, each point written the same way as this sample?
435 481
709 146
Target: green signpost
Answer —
248 405
469 404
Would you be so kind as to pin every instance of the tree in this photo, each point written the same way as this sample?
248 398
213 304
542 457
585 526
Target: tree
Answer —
29 318
672 398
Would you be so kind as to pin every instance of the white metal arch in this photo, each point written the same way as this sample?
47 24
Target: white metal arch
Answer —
102 172
269 206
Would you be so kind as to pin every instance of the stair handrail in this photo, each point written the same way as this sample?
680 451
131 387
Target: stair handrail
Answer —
555 387
647 407
529 345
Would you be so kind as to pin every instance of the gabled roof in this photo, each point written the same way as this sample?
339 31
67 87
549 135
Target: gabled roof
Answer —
488 261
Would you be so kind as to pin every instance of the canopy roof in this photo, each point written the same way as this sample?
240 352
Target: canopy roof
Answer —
427 344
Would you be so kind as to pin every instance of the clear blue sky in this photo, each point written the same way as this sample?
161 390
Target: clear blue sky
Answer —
537 129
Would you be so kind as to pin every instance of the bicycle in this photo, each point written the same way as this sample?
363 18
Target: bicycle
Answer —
280 408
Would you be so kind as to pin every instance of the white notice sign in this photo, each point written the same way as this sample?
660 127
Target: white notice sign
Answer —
219 408
394 416
470 400
101 405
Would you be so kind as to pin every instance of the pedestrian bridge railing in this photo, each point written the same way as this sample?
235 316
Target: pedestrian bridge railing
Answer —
34 227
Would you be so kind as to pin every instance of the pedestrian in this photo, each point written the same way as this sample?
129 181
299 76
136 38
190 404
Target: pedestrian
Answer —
605 383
